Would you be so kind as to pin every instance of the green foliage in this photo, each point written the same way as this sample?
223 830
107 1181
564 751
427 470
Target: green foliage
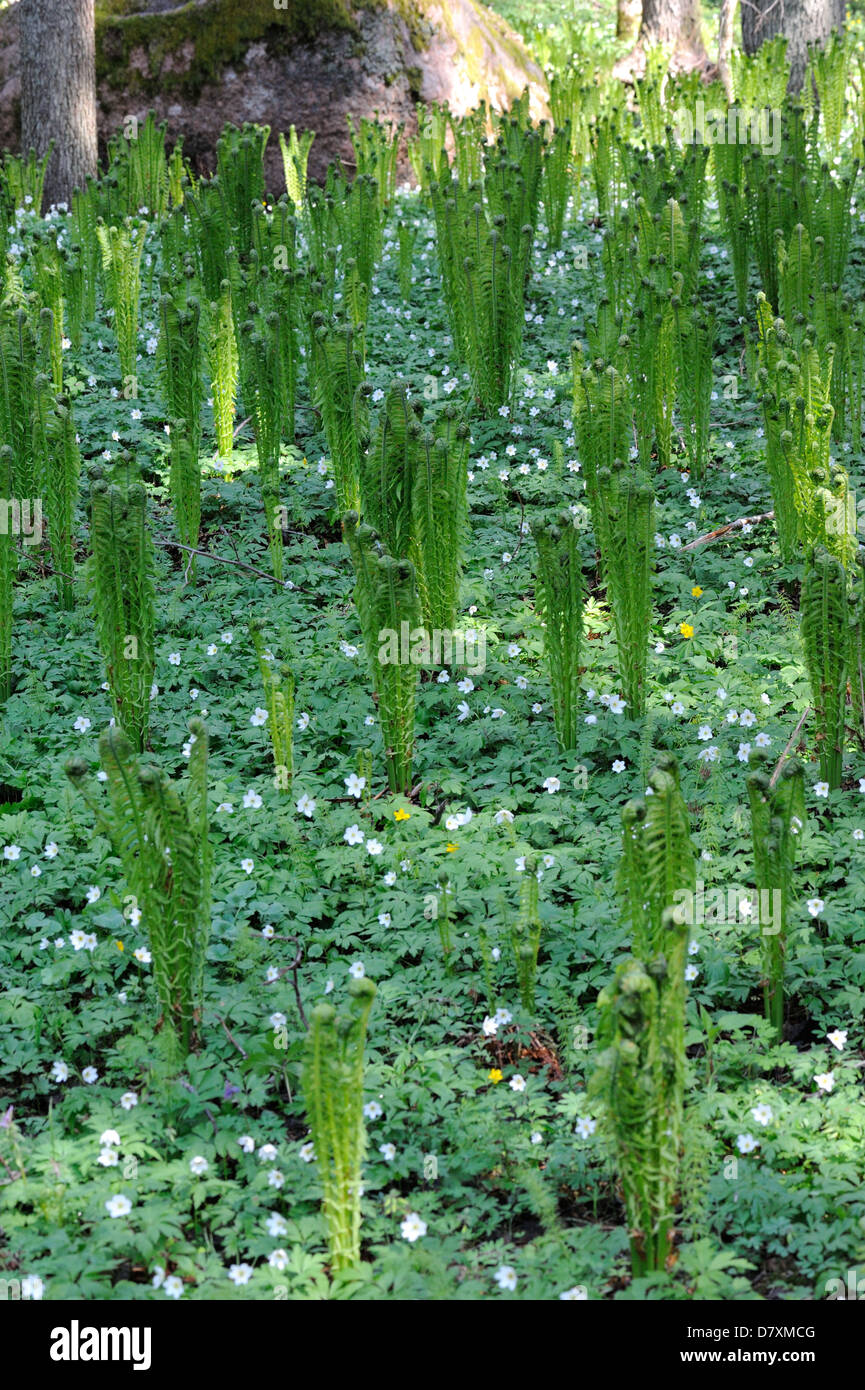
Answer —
121 262
557 183
224 368
824 617
180 361
641 1069
18 370
262 386
58 464
777 820
8 569
559 601
484 238
526 933
809 492
160 834
138 165
22 179
333 1090
295 156
279 694
338 377
240 170
389 610
376 147
121 580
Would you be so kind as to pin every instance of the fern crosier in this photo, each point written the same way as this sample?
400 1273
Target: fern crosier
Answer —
160 834
19 354
338 376
121 580
824 615
333 1092
640 1073
624 527
439 517
295 157
8 571
180 367
526 933
389 611
777 819
224 369
58 465
279 693
121 262
261 382
559 601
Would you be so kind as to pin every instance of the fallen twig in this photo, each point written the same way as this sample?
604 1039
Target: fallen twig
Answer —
231 1038
773 779
220 559
731 526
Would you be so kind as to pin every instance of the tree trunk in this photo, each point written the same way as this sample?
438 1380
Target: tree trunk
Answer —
675 23
628 15
802 21
726 24
58 90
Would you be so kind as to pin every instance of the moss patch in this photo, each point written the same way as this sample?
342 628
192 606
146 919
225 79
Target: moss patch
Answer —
214 36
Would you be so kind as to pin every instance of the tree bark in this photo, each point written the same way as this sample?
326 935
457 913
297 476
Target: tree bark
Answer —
58 90
801 21
726 24
628 16
675 23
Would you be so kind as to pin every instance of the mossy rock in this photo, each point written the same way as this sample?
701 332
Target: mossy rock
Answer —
205 37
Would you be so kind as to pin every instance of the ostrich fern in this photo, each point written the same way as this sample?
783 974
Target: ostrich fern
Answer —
333 1092
559 601
295 157
180 366
777 818
338 375
261 382
121 579
58 465
224 368
160 834
279 694
641 1070
121 261
387 604
824 615
8 570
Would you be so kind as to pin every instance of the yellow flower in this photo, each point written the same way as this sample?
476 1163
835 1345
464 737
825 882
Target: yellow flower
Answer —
402 815
696 591
686 629
450 849
495 1076
120 946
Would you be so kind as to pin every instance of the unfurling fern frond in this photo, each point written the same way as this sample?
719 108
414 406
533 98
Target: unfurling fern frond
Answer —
559 601
333 1092
389 610
641 1070
777 819
824 617
160 834
121 579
